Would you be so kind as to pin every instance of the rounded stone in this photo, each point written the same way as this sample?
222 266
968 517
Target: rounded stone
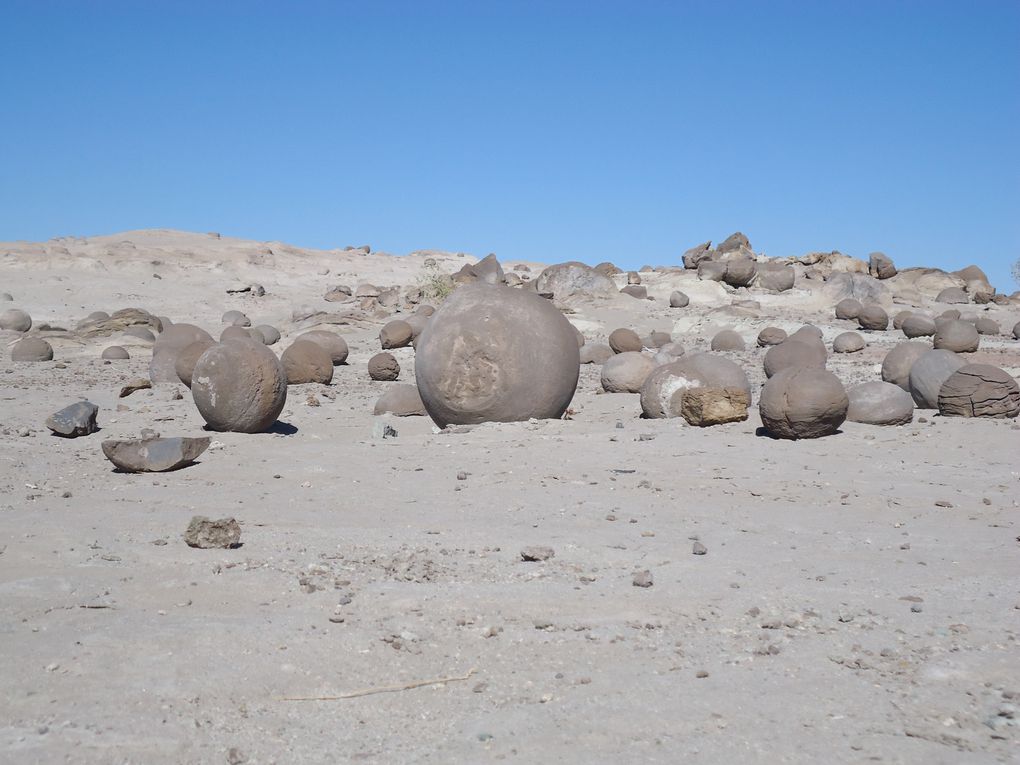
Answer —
873 317
141 333
97 316
927 375
668 353
771 336
897 363
979 390
305 361
184 365
791 354
270 334
986 326
678 299
417 322
115 353
331 342
16 321
950 313
803 402
728 340
426 310
623 340
396 334
384 367
918 325
496 354
239 387
256 335
235 319
596 353
807 333
400 400
32 349
656 339
957 336
662 391
848 342
879 403
626 372
900 317
952 295
172 341
235 332
848 308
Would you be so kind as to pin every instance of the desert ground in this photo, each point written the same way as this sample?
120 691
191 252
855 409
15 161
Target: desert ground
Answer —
855 597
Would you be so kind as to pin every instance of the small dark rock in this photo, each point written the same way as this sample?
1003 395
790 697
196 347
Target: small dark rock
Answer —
206 534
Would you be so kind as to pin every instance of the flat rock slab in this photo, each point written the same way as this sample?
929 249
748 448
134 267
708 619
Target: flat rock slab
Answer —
209 534
154 455
78 419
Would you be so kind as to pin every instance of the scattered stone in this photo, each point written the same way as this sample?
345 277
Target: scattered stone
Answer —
306 361
115 353
918 325
952 295
154 455
979 390
728 340
848 342
78 419
881 266
679 300
771 336
400 400
382 430
270 335
643 579
879 403
927 375
139 383
897 363
873 317
184 364
207 534
663 391
704 407
699 549
848 308
239 387
624 340
383 367
170 343
803 402
795 354
635 291
32 350
15 321
396 334
533 554
626 372
236 319
957 336
595 353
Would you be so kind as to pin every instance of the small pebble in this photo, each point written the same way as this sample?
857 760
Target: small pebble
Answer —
699 549
643 579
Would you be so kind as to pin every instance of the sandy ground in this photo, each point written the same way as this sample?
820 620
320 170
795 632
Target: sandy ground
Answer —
858 600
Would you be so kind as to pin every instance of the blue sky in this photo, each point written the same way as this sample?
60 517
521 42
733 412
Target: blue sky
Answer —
552 130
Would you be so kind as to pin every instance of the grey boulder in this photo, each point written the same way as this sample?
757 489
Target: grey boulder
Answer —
78 419
154 455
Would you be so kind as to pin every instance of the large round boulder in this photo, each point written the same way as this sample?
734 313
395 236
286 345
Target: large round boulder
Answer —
270 334
678 300
623 340
384 367
979 390
400 400
15 320
957 336
170 342
235 319
879 403
728 340
873 317
235 332
626 372
771 336
331 342
239 387
663 390
848 342
897 363
32 349
928 374
184 364
803 402
986 326
791 354
848 308
396 334
775 277
496 354
952 295
305 361
115 353
918 325
740 272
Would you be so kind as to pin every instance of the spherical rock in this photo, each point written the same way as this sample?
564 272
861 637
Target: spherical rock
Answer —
97 316
728 340
808 333
711 270
256 335
879 403
140 333
848 342
950 313
656 339
235 332
425 309
15 320
952 295
396 334
771 336
305 361
236 319
239 387
496 354
623 340
115 352
400 400
626 372
596 353
957 336
679 300
187 357
775 277
638 291
172 341
986 326
897 363
740 272
928 373
32 349
848 308
873 317
662 391
795 354
270 334
803 402
331 342
384 367
979 390
918 325
900 317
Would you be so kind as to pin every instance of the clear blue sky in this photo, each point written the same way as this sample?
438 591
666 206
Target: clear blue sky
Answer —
549 130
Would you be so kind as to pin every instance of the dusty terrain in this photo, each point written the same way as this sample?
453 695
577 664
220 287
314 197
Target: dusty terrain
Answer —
858 600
